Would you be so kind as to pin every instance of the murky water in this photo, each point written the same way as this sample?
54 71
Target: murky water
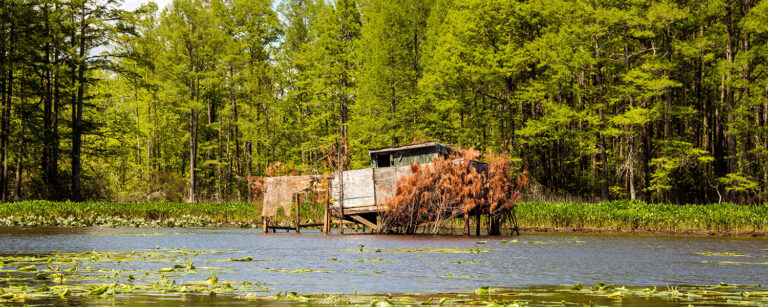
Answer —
393 264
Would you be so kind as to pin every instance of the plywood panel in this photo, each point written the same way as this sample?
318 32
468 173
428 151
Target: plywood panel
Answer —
358 188
385 181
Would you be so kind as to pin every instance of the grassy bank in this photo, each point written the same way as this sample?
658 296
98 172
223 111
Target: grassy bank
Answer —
167 214
638 216
619 216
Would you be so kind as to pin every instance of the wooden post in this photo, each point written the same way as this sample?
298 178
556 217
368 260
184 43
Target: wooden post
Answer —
341 217
477 223
494 224
341 205
327 218
314 197
264 220
466 224
341 190
298 207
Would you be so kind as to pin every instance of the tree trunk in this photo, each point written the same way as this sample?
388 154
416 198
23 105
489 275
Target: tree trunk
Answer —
77 113
219 154
192 154
631 171
20 149
729 54
5 118
601 136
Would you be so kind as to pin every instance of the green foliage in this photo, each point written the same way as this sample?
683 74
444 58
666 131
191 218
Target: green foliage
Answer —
675 155
653 100
738 183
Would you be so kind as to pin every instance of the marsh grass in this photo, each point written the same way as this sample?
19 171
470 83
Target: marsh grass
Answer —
168 214
631 216
621 216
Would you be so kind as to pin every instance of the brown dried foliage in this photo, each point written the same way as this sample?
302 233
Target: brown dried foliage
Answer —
256 186
256 183
450 188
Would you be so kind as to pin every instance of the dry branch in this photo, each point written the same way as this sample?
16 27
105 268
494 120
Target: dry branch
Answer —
449 188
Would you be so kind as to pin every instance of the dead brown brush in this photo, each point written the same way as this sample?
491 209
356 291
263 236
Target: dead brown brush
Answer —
449 188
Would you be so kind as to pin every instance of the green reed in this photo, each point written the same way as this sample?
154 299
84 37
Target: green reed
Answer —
626 215
49 213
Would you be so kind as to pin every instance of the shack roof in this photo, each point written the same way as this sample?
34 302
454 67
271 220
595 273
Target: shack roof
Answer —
441 147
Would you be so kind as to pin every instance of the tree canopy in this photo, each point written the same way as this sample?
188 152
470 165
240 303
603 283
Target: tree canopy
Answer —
665 101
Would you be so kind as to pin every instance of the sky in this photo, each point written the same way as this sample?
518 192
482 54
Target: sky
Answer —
133 4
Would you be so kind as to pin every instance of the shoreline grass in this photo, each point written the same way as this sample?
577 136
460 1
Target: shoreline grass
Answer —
167 214
638 216
614 216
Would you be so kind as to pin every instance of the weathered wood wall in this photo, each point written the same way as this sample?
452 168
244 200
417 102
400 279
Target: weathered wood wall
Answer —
358 188
385 182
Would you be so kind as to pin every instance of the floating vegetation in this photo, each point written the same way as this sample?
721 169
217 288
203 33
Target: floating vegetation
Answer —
364 272
296 271
361 260
182 274
244 259
455 276
144 233
707 294
422 250
484 290
89 283
737 262
723 254
84 274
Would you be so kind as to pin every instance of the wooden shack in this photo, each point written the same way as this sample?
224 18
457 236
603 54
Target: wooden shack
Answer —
364 192
359 196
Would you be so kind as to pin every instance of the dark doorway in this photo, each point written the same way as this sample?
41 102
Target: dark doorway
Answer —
382 161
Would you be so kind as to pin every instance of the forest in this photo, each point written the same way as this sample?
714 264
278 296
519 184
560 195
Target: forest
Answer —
662 101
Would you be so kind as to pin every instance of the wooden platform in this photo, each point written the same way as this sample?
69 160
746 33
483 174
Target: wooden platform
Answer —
367 216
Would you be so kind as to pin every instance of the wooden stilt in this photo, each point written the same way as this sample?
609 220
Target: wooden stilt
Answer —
477 223
264 220
298 207
327 217
466 224
341 217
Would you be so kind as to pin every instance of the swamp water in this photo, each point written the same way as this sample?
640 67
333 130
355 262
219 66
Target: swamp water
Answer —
227 266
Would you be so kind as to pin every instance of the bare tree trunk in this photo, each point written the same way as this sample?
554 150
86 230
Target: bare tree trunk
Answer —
20 150
601 136
138 130
765 141
77 113
192 155
7 88
729 54
631 170
219 153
